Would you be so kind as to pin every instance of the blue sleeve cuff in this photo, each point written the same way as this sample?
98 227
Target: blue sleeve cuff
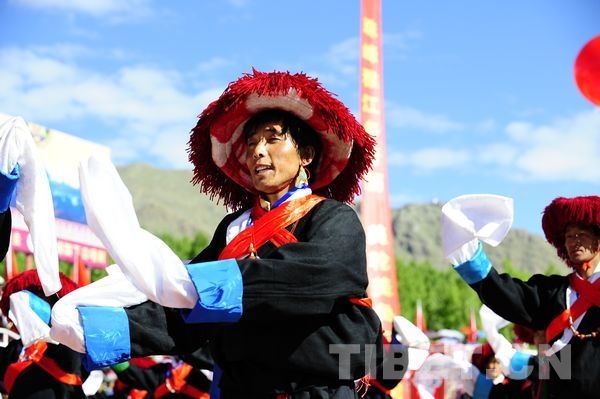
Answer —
8 186
519 366
106 334
215 392
483 386
476 269
220 290
39 306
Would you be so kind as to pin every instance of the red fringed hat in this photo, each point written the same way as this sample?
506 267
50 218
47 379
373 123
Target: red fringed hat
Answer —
29 280
524 334
217 147
481 356
563 211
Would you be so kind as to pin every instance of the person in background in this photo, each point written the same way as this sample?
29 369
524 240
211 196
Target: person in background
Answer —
566 307
279 294
171 378
39 368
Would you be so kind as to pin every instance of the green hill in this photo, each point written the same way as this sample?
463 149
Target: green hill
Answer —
166 202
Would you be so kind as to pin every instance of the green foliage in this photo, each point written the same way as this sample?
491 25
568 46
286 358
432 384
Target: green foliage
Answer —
186 248
446 300
514 272
554 269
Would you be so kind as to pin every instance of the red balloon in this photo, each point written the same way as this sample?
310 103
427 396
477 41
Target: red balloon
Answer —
587 70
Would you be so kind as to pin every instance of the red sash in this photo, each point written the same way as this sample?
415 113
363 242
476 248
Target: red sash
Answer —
137 394
34 353
176 383
270 227
589 295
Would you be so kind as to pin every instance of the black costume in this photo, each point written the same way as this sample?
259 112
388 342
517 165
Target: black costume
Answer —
294 311
535 304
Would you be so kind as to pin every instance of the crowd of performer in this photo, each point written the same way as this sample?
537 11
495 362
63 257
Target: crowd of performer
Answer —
276 305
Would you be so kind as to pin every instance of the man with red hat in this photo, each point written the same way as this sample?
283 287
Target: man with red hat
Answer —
44 369
566 307
279 294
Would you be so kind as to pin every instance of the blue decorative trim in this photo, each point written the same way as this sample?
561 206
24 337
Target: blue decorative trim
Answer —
220 291
106 334
476 269
39 306
519 366
482 388
8 186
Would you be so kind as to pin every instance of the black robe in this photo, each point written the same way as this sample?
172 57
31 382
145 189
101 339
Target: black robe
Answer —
5 228
296 308
574 371
35 383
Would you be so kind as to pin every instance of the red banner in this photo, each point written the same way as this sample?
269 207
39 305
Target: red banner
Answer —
75 242
375 207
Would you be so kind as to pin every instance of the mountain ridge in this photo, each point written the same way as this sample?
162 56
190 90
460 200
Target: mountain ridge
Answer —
167 203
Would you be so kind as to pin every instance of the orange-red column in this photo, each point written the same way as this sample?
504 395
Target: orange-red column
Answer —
375 207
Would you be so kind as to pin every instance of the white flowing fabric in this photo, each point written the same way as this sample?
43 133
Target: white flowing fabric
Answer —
33 199
503 349
7 335
145 259
438 367
93 382
415 339
31 327
113 290
468 218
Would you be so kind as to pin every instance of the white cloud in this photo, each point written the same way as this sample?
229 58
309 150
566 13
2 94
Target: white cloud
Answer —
562 150
567 149
120 9
430 159
145 108
500 154
406 117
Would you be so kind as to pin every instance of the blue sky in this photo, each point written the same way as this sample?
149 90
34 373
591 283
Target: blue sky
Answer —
479 95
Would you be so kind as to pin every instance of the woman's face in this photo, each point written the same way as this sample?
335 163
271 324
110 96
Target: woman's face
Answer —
273 160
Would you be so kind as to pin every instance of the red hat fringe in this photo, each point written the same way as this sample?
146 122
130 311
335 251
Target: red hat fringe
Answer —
30 281
326 109
584 210
481 356
523 333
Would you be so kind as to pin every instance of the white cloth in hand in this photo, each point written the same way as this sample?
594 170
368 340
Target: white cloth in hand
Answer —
438 367
92 383
145 259
412 337
31 327
33 199
468 218
503 349
113 290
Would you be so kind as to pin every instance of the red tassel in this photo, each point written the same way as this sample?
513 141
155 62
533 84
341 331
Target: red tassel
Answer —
29 280
327 111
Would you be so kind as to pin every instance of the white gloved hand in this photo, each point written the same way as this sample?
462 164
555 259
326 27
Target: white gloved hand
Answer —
412 337
145 259
113 290
468 218
33 199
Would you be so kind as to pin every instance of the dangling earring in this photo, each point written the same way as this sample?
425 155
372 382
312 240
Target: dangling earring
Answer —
302 178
